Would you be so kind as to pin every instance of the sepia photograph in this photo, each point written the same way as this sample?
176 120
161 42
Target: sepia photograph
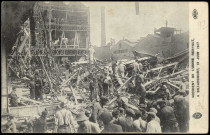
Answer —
104 67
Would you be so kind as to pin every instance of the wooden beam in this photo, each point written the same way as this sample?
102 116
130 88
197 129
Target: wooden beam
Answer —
119 89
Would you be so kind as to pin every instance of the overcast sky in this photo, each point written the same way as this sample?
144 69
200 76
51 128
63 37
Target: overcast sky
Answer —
122 21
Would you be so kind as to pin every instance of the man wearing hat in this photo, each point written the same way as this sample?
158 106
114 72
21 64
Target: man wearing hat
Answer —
152 126
106 117
64 120
119 118
139 124
85 126
40 125
167 117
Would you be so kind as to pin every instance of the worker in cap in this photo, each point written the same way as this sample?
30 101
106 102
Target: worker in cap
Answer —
152 126
106 117
64 120
85 126
167 117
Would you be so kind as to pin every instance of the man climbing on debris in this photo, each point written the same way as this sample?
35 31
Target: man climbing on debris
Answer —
107 85
38 87
32 88
121 69
140 89
98 108
64 120
93 89
136 66
114 65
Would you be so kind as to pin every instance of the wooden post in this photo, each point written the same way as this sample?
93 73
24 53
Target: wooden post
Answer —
46 73
4 88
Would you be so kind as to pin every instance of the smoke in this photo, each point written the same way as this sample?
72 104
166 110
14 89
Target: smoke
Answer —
13 15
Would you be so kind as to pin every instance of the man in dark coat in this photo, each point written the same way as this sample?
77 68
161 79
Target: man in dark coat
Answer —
109 127
32 88
85 126
167 118
130 114
38 87
40 125
181 110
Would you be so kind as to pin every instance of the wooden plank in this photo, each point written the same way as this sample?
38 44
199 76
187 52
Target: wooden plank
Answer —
68 79
119 89
74 94
31 100
132 106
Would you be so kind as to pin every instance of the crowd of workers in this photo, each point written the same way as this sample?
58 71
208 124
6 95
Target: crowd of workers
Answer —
170 113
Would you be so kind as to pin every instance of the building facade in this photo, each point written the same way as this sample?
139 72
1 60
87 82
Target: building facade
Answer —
64 29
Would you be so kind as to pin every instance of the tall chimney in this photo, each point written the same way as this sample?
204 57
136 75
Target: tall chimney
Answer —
103 32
